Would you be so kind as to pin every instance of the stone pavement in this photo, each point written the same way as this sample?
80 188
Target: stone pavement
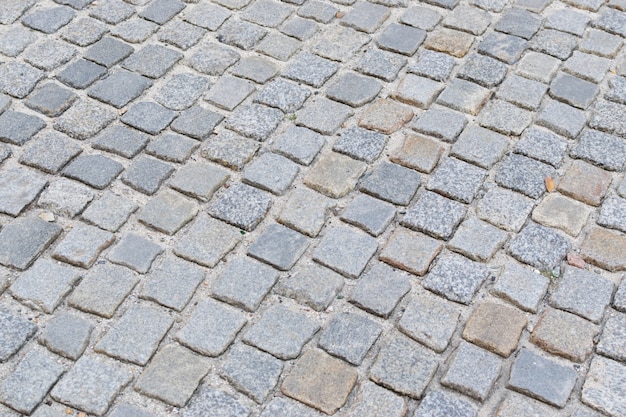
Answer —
298 208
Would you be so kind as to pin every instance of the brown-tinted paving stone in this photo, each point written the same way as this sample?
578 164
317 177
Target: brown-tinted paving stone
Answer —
385 116
564 334
306 211
495 327
585 182
450 42
562 212
605 386
335 175
418 152
605 248
410 251
320 381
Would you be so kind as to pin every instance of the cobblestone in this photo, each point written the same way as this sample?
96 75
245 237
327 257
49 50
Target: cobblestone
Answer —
464 96
26 186
51 100
521 286
456 179
66 197
67 335
244 283
360 331
82 245
381 64
450 42
561 212
480 146
135 252
603 388
146 174
380 290
539 246
313 286
418 152
446 279
418 215
345 250
440 123
14 333
108 52
230 149
109 212
18 128
228 92
369 214
279 246
583 293
432 64
24 239
499 335
283 95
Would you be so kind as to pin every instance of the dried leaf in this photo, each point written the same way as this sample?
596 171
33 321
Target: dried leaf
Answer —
549 184
575 260
68 411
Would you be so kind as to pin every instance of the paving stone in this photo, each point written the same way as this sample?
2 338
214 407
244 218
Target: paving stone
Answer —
320 381
301 29
168 212
360 144
242 35
521 405
468 19
585 183
134 30
207 241
381 64
564 334
121 140
135 252
335 175
153 61
519 22
313 286
181 34
13 10
588 67
278 246
358 330
419 215
619 301
18 128
299 144
369 214
228 92
539 246
480 146
5 152
23 239
373 400
568 21
212 59
215 320
67 334
401 39
81 74
323 115
21 187
14 333
84 119
457 179
603 248
483 70
149 117
242 206
255 68
573 90
380 289
611 343
160 11
462 376
305 211
612 213
353 89
404 366
440 123
119 88
605 117
604 388
216 403
50 19
255 121
112 11
51 100
555 43
172 284
386 116
206 15
561 212
338 42
464 96
84 31
445 278
617 90
448 41
418 152
278 46
542 145
18 79
600 43
109 212
495 327
420 17
435 65
524 175
271 172
96 376
15 40
562 119
127 410
585 412
442 403
244 283
30 381
345 250
365 17
506 48
230 150
282 332
197 122
97 171
82 245
542 378
310 69
538 66
417 91
465 242
199 180
612 21
173 375
108 52
251 371
505 118
267 13
522 92
283 95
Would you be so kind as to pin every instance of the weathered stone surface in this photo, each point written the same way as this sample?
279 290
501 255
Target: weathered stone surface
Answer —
496 327
312 285
562 212
604 386
345 250
410 251
521 286
605 248
456 278
23 239
380 289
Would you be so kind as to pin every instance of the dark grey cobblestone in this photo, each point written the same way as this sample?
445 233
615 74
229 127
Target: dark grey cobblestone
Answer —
108 52
119 88
67 334
51 100
81 74
23 239
18 128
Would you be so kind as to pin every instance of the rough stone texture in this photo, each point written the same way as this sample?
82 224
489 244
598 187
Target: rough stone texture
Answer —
440 123
442 403
611 343
539 246
456 278
585 183
410 251
449 41
97 171
241 205
299 144
465 242
521 286
345 250
380 290
67 334
418 152
369 214
456 179
334 175
135 252
168 212
23 187
306 211
391 182
82 245
561 212
604 386
279 246
59 150
313 286
271 172
418 215
24 239
361 144
562 119
323 115
592 147
109 212
542 145
14 333
473 371
521 405
373 401
230 149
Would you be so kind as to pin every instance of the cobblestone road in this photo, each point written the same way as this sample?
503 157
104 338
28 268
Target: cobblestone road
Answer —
298 208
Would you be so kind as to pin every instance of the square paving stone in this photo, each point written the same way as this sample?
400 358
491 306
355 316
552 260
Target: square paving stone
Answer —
468 19
440 123
281 332
197 122
345 250
299 144
568 21
229 91
81 74
605 117
612 213
520 405
13 10
449 41
464 96
255 68
121 140
168 212
465 240
418 91
67 334
539 246
480 146
542 145
240 34
418 152
306 211
119 88
542 378
604 386
457 179
149 117
283 95
554 43
173 375
317 10
521 286
524 175
573 90
267 13
84 31
402 39
538 66
420 17
380 290
313 285
564 334
255 121
404 366
108 52
153 61
310 69
212 59
109 212
172 147
323 115
50 19
82 245
353 89
216 403
241 205
381 64
505 118
147 174
44 285
160 11
361 144
431 64
181 91
97 171
456 278
23 239
335 175
244 283
127 410
385 116
600 43
588 67
136 335
18 128
519 22
320 381
271 172
51 100
584 293
15 40
338 43
230 149
172 283
561 212
101 379
522 92
103 289
21 187
410 251
296 27
207 241
211 328
30 381
562 119
278 46
506 48
369 214
135 252
483 70
419 215
585 183
495 327
84 119
14 333
442 403
251 371
613 340
199 180
360 333
18 79
112 11
373 401
602 149
279 246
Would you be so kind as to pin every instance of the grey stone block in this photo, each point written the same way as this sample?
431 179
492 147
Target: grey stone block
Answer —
255 121
271 172
255 68
160 11
542 145
299 144
464 96
401 39
84 119
267 13
148 116
82 245
521 286
381 64
306 211
542 378
51 100
369 214
109 212
81 74
539 246
602 149
588 67
583 293
613 340
568 21
431 64
457 179
112 11
538 66
84 31
392 183
241 205
562 119
323 115
95 170
419 215
600 43
21 188
279 246
228 92
14 333
380 290
365 17
108 52
173 375
244 283
345 250
519 22
522 92
360 143
520 405
240 34
134 30
418 91
505 118
404 366
606 116
477 240
181 34
441 403
121 140
135 252
15 40
313 286
373 400
612 21
102 379
153 61
573 91
18 79
338 42
440 123
506 48
119 88
283 95
480 146
473 371
172 284
456 278
67 334
617 91
127 410
612 213
318 11
206 15
168 212
301 29
281 332
483 70
30 381
216 403
147 174
251 371
349 336
49 19
604 386
285 407
212 59
199 180
24 239
18 128
172 147
446 4
230 149
103 289
524 175
310 69
558 44
420 17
